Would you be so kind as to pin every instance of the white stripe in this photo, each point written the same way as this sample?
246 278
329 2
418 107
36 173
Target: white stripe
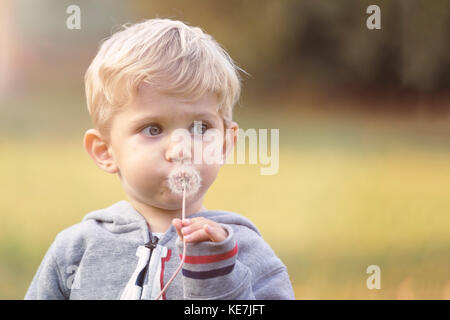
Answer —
131 291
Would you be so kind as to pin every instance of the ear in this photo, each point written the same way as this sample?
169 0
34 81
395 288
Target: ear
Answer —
230 139
99 150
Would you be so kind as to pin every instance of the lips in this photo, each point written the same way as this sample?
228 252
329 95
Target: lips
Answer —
184 176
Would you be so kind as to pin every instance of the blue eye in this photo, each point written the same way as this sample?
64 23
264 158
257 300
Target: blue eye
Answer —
152 130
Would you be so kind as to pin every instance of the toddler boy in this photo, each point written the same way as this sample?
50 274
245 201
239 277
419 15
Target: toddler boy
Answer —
146 83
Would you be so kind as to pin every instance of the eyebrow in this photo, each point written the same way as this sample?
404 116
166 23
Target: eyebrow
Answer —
158 118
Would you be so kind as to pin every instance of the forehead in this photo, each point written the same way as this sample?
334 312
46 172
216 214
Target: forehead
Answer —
149 101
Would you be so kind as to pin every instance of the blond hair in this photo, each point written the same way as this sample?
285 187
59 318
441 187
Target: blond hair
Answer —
169 55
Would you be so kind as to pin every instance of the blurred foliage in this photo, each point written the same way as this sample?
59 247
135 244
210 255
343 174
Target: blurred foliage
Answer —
327 41
284 45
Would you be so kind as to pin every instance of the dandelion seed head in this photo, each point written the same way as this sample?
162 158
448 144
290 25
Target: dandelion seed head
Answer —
187 176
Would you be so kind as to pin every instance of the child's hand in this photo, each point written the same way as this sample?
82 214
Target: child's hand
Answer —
199 229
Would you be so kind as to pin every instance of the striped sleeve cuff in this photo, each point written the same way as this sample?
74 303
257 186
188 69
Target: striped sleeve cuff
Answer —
209 267
207 259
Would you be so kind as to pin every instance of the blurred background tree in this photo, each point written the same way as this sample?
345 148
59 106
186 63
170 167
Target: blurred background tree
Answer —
286 46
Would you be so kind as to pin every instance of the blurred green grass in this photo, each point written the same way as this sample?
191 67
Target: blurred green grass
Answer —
349 193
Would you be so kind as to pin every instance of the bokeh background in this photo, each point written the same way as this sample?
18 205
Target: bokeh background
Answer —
364 175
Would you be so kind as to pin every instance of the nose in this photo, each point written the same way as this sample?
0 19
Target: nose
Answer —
179 150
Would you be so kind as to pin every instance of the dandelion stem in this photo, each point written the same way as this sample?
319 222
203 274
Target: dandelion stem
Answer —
183 216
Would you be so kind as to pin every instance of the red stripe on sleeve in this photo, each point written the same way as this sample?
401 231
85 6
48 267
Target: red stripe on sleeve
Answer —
211 258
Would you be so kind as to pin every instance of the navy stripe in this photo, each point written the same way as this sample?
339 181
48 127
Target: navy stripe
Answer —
140 278
208 274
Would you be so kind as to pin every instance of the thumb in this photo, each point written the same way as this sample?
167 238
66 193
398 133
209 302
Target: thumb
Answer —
178 225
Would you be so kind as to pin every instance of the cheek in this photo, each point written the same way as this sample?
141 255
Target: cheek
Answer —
208 174
140 165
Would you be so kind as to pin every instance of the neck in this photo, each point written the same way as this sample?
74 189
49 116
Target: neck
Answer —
160 219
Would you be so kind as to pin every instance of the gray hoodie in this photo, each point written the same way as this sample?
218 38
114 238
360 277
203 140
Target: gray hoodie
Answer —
112 255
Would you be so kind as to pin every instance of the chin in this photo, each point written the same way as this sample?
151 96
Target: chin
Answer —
167 200
176 201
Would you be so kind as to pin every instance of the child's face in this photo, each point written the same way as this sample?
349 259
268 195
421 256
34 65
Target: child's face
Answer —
144 153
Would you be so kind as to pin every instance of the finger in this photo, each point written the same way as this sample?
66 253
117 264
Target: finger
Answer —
187 222
178 225
196 223
215 234
197 236
192 225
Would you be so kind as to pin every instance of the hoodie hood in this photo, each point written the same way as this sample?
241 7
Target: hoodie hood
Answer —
118 214
122 217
